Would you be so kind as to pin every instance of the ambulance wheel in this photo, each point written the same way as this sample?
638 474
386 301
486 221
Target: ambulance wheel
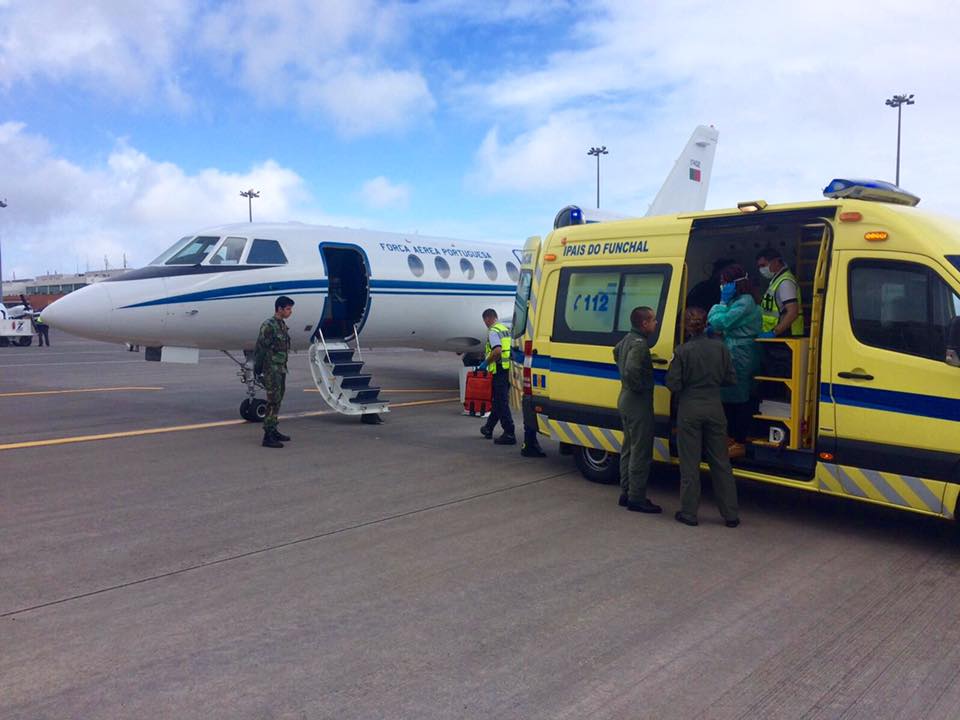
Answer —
597 466
4 341
24 341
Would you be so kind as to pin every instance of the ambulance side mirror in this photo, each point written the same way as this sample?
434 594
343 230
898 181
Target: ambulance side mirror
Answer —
953 343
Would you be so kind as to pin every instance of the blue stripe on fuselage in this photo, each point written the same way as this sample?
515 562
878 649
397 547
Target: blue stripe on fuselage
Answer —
301 287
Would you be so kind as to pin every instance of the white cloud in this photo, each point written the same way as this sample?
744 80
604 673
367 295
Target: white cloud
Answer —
326 58
109 45
796 92
380 193
62 215
339 59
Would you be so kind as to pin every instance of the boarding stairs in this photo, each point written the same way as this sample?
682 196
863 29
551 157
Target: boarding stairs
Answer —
336 367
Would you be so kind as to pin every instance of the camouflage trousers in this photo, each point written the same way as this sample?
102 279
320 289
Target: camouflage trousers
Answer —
275 383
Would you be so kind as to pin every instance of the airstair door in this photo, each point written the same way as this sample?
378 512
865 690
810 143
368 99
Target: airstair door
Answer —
348 290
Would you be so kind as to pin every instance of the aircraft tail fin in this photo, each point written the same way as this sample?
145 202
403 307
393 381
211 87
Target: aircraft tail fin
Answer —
685 189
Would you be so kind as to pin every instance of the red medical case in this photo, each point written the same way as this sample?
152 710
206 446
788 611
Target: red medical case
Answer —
478 397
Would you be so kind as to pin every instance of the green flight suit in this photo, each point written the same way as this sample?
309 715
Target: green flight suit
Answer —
273 346
632 355
700 367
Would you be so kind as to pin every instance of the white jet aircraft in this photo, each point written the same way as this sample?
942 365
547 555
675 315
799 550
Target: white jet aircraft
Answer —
212 289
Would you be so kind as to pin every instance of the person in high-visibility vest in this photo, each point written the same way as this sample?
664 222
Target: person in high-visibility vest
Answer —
496 360
782 313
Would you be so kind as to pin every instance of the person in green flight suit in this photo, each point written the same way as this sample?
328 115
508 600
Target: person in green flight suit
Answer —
273 345
700 367
632 355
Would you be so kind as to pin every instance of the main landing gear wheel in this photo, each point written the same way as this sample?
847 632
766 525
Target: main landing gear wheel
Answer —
597 466
253 410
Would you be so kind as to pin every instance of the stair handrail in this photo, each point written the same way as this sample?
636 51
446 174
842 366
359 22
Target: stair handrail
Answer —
356 337
323 342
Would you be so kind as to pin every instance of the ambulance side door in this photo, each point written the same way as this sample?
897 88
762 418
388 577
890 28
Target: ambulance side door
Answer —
896 401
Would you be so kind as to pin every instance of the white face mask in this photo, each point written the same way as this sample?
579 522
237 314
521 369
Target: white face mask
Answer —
766 272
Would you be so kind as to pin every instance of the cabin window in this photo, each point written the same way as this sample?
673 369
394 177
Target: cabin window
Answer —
266 252
513 272
900 306
194 252
594 304
229 252
416 265
490 269
466 267
443 267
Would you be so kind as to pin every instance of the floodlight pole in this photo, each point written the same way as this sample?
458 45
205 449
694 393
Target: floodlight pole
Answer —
249 195
898 101
598 151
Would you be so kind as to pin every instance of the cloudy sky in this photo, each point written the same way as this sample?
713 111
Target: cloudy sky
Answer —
124 126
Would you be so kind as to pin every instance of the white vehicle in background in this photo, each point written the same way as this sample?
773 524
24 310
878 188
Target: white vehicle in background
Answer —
15 326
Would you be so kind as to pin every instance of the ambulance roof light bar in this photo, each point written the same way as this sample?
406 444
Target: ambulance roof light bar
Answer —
575 215
876 190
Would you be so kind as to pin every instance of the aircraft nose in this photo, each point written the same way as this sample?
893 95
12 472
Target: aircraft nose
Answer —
85 312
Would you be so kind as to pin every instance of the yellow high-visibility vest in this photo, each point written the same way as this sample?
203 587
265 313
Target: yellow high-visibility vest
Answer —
768 305
504 334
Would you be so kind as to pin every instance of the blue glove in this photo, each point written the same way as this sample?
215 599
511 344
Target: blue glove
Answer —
766 335
727 291
709 331
480 367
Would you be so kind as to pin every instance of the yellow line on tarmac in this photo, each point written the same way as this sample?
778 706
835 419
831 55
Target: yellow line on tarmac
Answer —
80 390
181 428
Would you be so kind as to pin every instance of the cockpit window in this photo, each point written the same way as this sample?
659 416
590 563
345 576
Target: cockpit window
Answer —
194 252
230 252
166 254
266 252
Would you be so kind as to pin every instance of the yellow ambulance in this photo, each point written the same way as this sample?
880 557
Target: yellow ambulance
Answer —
868 406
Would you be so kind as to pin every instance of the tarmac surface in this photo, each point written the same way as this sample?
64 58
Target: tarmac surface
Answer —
156 562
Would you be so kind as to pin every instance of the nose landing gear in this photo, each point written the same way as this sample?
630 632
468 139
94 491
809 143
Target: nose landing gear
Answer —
252 409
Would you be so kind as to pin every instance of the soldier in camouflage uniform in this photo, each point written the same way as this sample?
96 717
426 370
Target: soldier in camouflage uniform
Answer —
632 355
273 344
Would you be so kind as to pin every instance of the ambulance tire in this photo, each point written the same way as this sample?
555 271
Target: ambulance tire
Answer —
25 341
597 466
4 341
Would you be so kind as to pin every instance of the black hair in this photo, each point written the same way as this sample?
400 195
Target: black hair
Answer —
769 254
490 313
641 314
282 302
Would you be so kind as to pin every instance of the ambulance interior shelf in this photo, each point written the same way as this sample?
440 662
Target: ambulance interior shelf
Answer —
780 413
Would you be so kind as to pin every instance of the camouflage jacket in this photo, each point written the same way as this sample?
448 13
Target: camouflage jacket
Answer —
273 345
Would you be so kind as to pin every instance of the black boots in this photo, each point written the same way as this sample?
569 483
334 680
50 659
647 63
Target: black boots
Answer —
530 450
280 436
644 506
505 440
271 440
